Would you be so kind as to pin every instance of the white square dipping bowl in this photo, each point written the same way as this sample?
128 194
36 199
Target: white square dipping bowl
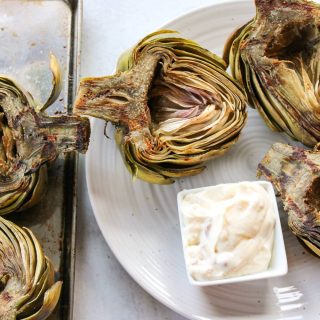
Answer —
278 265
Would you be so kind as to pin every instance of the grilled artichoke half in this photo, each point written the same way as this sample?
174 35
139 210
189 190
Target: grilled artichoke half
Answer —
295 173
276 57
173 104
27 287
29 139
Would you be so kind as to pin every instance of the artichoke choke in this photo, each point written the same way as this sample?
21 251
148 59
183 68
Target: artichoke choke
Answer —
29 139
295 173
173 104
27 287
276 57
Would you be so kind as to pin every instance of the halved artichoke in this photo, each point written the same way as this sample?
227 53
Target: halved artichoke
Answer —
27 287
276 57
29 139
173 104
295 173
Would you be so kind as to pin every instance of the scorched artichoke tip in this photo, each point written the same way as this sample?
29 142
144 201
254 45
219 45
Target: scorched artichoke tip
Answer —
295 173
29 139
173 104
276 57
27 287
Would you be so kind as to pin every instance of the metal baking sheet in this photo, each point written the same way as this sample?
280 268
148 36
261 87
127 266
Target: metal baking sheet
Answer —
29 31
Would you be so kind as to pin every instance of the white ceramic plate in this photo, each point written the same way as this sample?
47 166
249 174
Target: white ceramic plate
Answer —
141 225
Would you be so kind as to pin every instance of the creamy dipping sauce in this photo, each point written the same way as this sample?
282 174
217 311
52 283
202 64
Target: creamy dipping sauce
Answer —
227 230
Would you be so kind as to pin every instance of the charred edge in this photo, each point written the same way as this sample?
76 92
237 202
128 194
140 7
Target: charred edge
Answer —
266 172
6 297
298 154
301 6
265 6
284 180
314 168
48 154
79 124
290 205
301 155
83 136
312 197
307 231
17 120
84 94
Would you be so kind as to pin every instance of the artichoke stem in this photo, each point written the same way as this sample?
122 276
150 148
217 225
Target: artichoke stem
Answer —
66 133
122 98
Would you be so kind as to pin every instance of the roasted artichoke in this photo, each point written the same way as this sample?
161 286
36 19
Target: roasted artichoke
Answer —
295 173
29 139
276 57
27 287
173 104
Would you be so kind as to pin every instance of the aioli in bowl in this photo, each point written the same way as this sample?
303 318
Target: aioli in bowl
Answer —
227 230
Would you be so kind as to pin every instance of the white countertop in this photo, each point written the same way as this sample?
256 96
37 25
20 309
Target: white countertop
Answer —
103 289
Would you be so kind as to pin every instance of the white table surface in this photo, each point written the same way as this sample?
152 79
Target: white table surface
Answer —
103 289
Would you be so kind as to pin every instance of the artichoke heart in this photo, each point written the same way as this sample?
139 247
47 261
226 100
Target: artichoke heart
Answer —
295 173
29 139
276 57
173 104
27 287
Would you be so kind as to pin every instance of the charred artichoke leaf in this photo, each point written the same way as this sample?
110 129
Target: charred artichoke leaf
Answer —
276 57
29 139
173 104
295 173
27 287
